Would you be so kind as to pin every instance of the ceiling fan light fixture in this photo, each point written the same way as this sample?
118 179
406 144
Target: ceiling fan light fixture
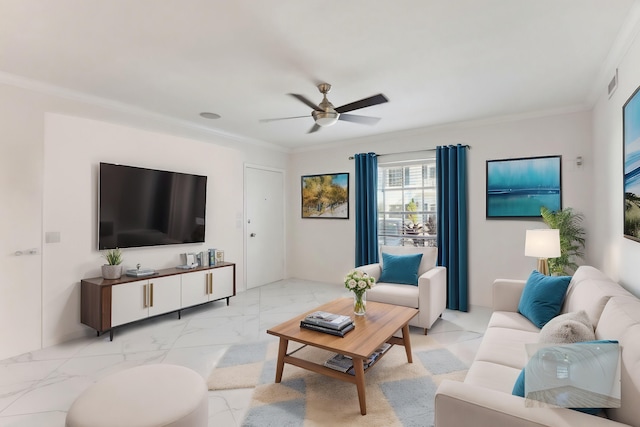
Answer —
325 118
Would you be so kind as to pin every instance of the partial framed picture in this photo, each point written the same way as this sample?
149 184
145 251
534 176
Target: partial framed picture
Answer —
325 196
631 150
518 188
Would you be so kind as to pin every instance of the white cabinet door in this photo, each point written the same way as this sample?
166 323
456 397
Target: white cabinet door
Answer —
164 295
222 283
195 288
129 302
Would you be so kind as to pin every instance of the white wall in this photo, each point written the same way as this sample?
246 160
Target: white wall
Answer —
324 249
617 256
49 153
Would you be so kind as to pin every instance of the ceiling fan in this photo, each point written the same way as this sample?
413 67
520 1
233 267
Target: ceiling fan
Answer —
324 114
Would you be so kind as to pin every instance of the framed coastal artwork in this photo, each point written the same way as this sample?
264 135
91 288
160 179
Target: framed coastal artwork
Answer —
631 167
325 196
518 188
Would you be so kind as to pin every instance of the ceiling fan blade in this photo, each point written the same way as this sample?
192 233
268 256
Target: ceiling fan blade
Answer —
363 103
283 118
314 128
365 120
305 101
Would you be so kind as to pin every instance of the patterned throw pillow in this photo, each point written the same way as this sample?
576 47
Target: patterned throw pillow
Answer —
567 329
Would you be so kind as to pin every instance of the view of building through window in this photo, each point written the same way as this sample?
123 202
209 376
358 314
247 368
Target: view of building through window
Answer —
407 203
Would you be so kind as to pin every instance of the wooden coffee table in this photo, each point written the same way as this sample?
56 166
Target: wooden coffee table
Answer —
371 331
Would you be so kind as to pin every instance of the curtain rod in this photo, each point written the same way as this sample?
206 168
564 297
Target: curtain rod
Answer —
405 152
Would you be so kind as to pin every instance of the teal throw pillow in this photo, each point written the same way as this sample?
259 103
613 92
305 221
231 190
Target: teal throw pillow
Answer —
518 387
542 297
400 268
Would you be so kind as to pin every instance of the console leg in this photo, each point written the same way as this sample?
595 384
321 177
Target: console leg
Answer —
97 333
227 301
111 335
179 314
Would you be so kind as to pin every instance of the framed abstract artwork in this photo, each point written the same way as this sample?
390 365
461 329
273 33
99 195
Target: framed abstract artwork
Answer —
631 166
518 188
325 196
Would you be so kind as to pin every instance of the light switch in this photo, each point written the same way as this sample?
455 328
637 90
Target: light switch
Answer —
52 237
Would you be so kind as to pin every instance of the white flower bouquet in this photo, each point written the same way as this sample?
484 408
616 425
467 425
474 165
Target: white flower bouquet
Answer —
358 282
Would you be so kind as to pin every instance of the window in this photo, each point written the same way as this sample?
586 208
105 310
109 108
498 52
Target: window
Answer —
407 203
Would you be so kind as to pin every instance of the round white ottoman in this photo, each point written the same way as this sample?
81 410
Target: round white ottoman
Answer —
144 396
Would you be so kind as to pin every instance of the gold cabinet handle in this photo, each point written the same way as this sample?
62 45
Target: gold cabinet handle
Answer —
144 290
211 281
206 285
151 295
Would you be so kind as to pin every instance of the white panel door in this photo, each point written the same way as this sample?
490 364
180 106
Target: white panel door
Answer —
129 302
195 288
164 295
222 282
264 199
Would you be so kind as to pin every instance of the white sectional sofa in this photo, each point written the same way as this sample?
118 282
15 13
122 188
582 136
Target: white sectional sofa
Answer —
485 399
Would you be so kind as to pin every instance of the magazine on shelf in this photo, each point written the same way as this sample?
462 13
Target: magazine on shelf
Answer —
339 362
328 320
339 333
343 363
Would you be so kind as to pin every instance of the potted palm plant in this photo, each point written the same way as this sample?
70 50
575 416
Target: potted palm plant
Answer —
113 268
569 223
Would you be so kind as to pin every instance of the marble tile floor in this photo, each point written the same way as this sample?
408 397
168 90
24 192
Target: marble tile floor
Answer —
37 388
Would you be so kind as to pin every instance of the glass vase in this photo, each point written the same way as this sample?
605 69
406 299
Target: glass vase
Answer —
360 303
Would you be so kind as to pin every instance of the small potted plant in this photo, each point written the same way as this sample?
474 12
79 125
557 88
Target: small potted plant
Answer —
113 268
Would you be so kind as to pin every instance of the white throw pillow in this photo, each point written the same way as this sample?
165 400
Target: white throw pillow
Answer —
567 328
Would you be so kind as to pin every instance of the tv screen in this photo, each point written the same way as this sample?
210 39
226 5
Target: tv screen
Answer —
147 207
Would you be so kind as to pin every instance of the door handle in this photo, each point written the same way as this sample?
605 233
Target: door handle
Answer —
252 235
144 291
151 296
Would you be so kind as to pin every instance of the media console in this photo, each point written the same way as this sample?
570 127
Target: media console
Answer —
107 304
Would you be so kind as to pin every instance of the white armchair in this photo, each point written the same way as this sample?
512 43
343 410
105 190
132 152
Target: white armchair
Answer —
429 297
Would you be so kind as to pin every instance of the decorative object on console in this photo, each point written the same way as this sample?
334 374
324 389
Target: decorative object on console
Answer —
358 282
543 244
572 234
219 256
325 196
113 268
631 150
518 188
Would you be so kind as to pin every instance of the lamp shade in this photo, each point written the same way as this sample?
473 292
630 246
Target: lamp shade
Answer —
542 243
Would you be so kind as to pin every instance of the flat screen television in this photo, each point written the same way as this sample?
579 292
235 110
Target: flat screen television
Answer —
147 207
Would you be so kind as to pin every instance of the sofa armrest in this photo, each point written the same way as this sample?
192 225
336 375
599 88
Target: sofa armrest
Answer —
459 404
506 294
432 294
373 270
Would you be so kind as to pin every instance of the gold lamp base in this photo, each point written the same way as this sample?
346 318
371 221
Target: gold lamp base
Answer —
543 266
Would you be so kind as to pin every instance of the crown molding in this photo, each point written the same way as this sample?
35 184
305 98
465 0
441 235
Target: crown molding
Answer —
69 94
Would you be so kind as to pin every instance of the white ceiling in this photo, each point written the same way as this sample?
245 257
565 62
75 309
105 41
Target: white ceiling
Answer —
437 61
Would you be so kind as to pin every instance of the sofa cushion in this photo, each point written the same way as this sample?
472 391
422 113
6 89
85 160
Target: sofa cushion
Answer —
401 269
391 293
629 410
429 255
506 346
568 328
590 290
492 375
620 320
511 320
542 297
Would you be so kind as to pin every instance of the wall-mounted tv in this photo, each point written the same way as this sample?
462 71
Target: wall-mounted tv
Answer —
147 207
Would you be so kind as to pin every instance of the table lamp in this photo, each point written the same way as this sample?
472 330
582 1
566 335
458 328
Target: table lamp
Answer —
542 244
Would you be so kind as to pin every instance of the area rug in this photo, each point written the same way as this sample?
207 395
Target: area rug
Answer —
397 393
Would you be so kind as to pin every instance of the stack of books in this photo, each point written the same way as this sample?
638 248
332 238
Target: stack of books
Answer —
329 323
343 363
